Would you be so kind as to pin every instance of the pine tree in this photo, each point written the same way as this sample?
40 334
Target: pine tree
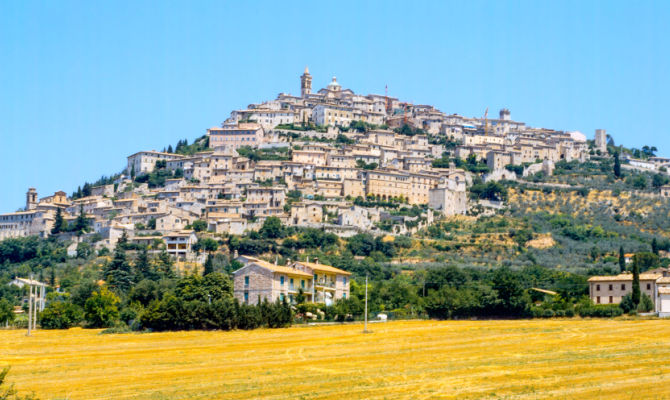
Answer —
169 149
59 223
622 259
118 273
636 282
143 268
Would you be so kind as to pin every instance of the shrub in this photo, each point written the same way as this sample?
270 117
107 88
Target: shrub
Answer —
600 311
61 315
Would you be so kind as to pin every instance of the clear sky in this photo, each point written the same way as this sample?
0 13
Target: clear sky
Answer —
85 84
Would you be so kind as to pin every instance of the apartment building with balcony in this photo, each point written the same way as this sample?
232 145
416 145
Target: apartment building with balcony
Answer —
330 283
258 280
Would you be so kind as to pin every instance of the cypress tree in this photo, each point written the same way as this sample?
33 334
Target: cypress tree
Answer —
169 149
654 246
617 165
636 282
622 259
59 223
208 267
81 223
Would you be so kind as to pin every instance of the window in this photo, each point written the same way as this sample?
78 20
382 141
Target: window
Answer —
344 280
246 297
598 288
598 299
281 297
610 287
610 299
648 286
246 281
302 283
281 281
344 295
623 286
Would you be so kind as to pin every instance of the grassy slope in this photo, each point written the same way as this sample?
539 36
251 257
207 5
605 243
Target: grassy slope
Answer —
574 359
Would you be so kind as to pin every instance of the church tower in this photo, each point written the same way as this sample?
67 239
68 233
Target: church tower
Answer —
305 83
31 199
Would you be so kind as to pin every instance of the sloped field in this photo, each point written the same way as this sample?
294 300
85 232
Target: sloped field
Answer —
562 359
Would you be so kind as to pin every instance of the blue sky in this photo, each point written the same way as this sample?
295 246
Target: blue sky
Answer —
85 84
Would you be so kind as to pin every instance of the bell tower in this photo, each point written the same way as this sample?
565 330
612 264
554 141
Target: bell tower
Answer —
305 83
31 199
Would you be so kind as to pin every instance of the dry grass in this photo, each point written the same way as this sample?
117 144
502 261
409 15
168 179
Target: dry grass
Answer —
563 359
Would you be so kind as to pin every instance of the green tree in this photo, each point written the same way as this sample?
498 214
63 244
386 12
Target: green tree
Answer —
207 244
60 315
635 294
617 165
118 272
101 309
6 311
622 259
84 250
300 297
510 292
199 225
143 267
272 228
81 223
165 265
208 267
654 246
646 304
645 260
659 180
59 223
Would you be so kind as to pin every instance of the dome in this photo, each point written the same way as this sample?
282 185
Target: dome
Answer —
334 85
577 136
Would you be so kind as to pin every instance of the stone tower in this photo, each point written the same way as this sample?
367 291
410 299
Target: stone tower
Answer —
31 199
305 83
601 140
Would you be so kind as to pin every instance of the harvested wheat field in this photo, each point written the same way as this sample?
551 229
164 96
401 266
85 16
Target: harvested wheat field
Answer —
562 359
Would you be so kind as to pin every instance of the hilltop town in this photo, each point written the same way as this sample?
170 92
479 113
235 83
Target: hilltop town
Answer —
330 158
366 183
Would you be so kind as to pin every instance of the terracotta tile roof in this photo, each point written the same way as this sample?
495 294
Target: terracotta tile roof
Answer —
277 268
624 277
323 268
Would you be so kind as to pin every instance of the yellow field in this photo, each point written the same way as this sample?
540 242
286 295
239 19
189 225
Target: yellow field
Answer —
562 359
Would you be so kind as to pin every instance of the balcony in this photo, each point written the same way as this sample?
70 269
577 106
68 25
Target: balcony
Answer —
325 283
296 288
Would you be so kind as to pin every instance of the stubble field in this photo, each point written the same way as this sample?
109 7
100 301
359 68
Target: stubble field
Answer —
562 359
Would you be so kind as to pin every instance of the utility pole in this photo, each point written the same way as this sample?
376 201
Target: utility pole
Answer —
30 305
365 329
